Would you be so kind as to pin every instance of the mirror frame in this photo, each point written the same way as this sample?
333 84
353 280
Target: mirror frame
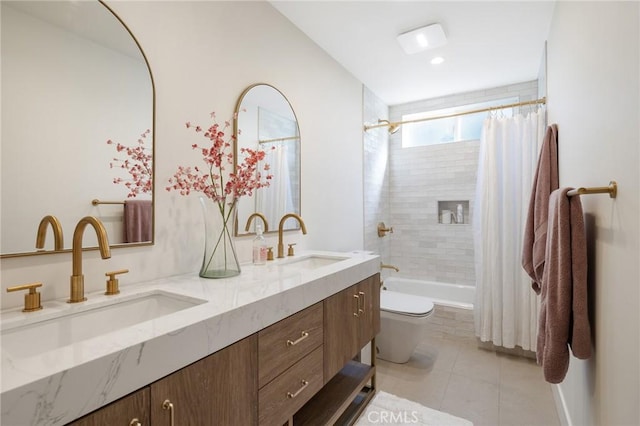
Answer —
153 144
272 229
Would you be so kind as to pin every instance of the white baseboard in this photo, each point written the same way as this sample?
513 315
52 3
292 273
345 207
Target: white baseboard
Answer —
561 406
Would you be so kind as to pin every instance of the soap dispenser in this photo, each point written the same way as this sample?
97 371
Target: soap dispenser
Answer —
460 214
259 247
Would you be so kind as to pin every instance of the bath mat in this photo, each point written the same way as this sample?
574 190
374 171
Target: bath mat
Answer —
387 409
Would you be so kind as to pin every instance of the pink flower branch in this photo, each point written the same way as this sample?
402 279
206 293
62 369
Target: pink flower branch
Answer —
215 181
138 164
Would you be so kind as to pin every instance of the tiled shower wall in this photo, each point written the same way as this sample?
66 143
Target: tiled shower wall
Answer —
417 179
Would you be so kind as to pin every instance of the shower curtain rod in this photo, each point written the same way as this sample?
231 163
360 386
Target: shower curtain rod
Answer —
394 125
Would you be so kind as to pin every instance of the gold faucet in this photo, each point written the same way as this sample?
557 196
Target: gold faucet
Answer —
280 230
57 232
261 216
384 266
77 279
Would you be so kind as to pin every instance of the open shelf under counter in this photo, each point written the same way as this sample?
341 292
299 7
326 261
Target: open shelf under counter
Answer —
341 400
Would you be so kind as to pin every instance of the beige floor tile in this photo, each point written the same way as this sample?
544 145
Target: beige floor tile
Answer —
419 380
515 369
428 390
417 368
387 372
449 372
442 353
527 406
472 399
384 380
478 364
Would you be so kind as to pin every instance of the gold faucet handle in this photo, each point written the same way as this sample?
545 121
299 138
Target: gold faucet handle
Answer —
112 282
290 251
269 253
382 229
31 299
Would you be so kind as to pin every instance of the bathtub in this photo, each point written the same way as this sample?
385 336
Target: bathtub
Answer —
454 295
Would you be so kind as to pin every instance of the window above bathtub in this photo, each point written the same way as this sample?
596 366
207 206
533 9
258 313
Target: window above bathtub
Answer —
453 129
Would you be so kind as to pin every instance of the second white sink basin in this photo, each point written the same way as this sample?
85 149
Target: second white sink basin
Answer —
66 329
310 262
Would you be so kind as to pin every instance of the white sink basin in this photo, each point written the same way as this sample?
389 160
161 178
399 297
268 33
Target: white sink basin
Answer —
68 328
310 262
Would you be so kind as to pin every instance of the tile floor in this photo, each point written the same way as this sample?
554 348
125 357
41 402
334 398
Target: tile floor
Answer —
450 373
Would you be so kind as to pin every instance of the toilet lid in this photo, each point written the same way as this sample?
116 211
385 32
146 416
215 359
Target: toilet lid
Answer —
403 303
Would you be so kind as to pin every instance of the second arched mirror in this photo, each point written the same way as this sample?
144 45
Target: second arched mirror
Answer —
265 120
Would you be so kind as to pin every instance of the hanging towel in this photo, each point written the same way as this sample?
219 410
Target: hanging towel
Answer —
535 233
564 317
137 221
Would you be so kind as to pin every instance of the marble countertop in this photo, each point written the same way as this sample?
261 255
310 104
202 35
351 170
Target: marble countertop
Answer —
57 386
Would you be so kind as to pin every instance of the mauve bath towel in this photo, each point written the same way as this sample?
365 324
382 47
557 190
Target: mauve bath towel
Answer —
564 316
137 221
535 233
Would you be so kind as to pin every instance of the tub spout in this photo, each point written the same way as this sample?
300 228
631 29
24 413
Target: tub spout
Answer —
385 266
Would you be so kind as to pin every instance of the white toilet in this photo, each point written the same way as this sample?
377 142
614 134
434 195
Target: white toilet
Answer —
402 323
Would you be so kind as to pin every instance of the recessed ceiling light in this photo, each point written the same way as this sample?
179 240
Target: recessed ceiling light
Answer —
437 60
423 38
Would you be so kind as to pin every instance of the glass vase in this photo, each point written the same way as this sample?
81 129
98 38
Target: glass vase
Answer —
220 259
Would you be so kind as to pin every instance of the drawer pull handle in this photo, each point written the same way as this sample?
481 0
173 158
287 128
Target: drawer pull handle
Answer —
361 310
357 312
293 395
135 422
303 336
168 405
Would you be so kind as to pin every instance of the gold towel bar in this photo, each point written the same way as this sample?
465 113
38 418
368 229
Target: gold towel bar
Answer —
95 202
288 138
612 190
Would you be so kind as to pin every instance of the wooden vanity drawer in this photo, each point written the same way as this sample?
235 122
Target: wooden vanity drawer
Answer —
286 342
286 394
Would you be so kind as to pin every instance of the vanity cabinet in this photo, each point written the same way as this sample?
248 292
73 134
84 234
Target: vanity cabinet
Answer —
286 342
290 364
217 390
302 370
131 410
352 319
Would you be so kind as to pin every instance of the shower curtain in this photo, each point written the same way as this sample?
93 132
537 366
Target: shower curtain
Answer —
506 309
276 200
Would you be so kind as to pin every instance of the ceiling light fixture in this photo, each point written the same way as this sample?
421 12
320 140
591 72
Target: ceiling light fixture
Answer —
423 38
437 60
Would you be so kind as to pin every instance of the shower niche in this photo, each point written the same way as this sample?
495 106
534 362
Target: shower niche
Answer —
453 212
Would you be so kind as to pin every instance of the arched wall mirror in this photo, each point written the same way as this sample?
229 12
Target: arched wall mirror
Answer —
73 78
265 120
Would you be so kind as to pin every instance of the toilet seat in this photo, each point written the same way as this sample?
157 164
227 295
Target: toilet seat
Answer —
405 304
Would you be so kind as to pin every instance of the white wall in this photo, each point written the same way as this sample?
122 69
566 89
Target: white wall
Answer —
203 55
593 93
